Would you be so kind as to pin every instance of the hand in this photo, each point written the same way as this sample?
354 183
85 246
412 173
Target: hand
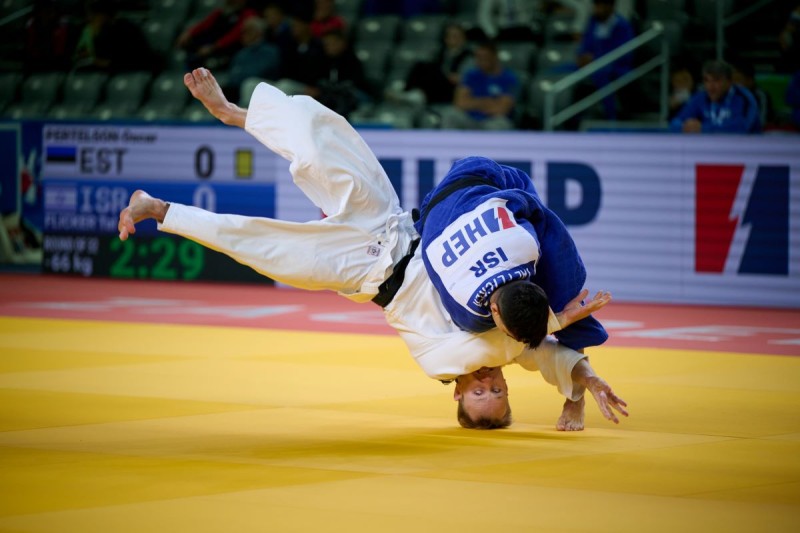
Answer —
692 125
605 398
575 311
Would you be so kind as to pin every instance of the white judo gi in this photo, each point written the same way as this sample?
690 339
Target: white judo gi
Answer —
354 249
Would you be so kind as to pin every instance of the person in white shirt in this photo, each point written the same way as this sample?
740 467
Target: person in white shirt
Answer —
365 250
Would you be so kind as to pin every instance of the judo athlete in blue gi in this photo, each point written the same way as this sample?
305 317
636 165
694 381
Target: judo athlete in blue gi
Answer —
498 256
367 250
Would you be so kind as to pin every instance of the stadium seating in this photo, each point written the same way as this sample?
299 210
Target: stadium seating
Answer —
39 92
82 91
519 56
383 29
167 99
374 59
426 29
195 112
175 10
161 34
557 58
125 92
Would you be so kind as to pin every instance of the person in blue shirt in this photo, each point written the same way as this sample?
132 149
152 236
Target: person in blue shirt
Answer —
606 31
720 107
486 95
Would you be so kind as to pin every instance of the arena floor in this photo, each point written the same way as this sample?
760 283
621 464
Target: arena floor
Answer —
133 406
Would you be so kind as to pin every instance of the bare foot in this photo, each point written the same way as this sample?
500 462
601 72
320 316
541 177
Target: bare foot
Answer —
140 207
571 418
203 86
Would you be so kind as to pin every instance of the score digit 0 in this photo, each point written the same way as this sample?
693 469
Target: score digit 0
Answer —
204 162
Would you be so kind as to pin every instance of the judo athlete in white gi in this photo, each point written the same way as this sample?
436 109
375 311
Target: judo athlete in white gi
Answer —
365 250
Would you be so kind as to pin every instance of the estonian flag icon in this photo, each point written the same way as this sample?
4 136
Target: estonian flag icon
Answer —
61 154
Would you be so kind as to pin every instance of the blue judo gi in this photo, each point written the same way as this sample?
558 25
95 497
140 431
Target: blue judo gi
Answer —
484 226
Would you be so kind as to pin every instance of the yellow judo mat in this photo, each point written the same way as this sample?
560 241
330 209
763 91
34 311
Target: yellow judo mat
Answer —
118 427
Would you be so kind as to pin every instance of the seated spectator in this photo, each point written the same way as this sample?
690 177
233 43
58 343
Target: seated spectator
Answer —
582 11
434 82
326 19
745 75
302 58
682 88
278 30
486 96
50 37
606 31
256 59
111 44
507 20
720 107
344 85
217 36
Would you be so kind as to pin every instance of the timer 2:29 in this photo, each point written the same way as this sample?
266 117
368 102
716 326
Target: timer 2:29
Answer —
133 257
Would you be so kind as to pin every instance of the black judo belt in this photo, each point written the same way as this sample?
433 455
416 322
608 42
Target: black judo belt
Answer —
389 288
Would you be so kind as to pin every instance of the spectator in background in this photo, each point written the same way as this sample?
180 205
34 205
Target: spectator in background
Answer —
278 29
744 74
302 58
434 82
582 10
256 59
721 107
507 20
682 88
486 96
344 85
217 36
109 43
326 19
50 37
606 31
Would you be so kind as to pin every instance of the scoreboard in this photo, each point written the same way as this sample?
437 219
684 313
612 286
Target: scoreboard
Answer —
90 171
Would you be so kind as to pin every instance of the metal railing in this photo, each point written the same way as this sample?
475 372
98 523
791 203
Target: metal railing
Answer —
723 22
553 119
15 15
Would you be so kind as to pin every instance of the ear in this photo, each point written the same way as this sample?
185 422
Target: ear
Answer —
457 392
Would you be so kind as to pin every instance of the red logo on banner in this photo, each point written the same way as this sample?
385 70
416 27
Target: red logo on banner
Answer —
714 227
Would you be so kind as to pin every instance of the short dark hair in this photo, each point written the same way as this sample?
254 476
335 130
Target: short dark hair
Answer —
483 422
524 309
717 69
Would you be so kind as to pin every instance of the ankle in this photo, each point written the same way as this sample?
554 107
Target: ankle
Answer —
160 208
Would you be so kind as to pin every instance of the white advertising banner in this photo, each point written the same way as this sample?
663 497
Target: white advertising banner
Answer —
657 218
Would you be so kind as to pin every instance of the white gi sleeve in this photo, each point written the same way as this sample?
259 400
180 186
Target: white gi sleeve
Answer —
555 361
